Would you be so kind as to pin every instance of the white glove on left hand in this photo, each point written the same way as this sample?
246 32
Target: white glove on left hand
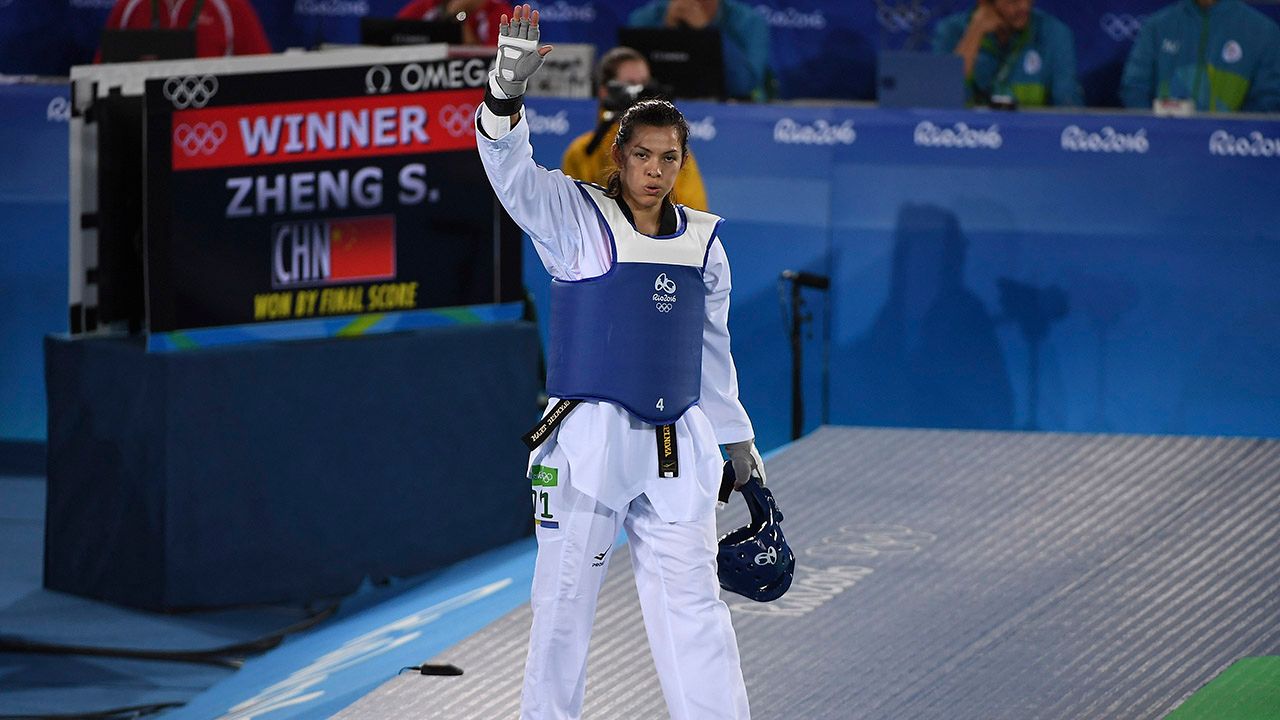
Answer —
746 462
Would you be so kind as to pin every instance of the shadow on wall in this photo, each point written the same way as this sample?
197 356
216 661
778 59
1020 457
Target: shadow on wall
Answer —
1233 389
931 357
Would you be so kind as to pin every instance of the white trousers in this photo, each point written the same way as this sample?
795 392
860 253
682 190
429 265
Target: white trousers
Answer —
690 633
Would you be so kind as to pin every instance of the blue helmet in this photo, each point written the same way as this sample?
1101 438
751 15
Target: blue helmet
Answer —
755 560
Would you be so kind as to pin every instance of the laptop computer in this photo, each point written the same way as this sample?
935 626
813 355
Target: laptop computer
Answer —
394 31
907 79
690 61
147 44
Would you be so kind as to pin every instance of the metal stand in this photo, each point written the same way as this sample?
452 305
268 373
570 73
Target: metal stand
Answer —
798 318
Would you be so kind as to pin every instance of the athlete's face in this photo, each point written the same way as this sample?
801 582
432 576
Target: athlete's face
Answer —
648 165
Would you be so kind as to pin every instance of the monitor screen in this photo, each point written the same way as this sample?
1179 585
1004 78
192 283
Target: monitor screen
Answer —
919 80
690 61
137 45
393 31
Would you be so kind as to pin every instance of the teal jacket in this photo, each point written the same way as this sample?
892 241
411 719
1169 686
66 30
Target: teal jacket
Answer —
746 43
1226 59
1037 67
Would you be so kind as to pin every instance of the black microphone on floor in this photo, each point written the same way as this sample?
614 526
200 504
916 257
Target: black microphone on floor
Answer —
807 279
445 669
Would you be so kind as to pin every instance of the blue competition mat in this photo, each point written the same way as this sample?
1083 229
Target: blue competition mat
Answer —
958 575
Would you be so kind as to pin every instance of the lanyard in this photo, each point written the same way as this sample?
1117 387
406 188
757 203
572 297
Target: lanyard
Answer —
195 14
1201 64
1006 68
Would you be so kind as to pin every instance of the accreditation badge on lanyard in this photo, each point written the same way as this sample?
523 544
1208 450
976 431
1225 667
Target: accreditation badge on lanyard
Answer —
1001 88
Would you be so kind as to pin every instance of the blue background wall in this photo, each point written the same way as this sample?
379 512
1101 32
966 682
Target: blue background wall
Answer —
33 245
1163 257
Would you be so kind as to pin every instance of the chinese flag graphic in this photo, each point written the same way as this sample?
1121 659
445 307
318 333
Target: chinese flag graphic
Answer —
362 248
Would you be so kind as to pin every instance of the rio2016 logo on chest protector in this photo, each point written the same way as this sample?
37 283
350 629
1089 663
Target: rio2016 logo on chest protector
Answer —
665 296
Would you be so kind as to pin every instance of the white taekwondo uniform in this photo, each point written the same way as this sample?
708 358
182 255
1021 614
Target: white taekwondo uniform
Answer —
598 473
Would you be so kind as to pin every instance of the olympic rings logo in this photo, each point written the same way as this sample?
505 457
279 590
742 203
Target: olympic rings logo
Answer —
663 307
1120 26
903 15
456 119
190 91
199 139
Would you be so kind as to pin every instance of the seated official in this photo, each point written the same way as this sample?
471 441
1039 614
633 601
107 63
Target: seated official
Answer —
1212 55
223 27
744 31
621 78
479 18
1013 54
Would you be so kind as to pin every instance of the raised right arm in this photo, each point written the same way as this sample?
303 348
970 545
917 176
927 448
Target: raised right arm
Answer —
544 203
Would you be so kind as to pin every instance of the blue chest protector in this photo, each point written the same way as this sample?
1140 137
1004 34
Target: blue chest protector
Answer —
633 336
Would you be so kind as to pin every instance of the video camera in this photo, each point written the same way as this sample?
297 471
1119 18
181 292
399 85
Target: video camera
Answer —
620 96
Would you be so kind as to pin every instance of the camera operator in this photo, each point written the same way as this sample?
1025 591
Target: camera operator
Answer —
622 78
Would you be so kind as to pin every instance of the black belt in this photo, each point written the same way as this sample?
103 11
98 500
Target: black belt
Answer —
668 454
668 458
549 422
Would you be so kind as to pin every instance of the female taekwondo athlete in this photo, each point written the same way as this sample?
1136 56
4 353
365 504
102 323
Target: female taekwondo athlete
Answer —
644 391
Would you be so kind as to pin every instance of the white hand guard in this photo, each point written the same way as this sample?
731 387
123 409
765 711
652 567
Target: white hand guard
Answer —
746 462
518 56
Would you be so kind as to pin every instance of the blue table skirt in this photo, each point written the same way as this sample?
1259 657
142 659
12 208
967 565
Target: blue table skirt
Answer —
283 471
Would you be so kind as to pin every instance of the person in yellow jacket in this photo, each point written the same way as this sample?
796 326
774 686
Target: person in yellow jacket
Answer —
621 78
